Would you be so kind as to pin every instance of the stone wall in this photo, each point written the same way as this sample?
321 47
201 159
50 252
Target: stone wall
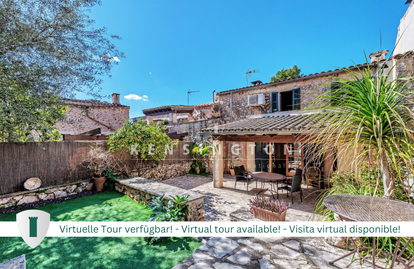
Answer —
308 88
193 128
143 190
27 197
163 172
108 119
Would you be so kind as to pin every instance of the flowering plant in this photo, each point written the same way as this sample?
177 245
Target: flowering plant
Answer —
275 206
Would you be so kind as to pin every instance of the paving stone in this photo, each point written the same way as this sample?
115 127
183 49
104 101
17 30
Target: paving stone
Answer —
255 246
201 265
293 244
15 263
224 265
240 257
322 258
219 246
271 239
198 256
286 253
265 263
292 264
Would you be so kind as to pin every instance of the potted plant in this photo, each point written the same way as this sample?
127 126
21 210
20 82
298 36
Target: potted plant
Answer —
268 210
199 154
232 166
99 160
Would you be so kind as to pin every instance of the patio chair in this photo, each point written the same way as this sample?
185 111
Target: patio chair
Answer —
243 176
313 174
294 187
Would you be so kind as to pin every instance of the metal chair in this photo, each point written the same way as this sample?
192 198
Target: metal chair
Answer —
243 176
313 174
295 186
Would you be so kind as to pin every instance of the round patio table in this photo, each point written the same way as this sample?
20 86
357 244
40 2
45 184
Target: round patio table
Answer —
367 208
271 178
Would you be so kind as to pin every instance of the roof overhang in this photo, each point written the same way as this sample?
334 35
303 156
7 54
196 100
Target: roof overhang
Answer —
167 109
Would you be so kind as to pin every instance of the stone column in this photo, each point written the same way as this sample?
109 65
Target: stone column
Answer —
172 118
218 164
150 119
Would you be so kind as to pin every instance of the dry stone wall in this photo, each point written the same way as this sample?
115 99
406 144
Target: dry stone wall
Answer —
43 194
163 172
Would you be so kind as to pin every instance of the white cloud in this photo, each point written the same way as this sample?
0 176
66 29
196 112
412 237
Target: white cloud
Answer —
136 97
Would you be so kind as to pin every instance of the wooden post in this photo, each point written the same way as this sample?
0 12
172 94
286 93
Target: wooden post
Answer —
271 157
245 155
218 164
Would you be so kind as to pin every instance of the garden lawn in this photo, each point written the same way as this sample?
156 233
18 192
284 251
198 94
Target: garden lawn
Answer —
101 252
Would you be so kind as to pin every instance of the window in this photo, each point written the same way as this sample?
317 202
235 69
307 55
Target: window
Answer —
296 99
275 101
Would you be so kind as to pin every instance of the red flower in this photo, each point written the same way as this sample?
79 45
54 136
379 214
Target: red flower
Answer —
370 164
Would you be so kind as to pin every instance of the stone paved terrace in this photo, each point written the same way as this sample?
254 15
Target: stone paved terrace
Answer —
257 253
219 203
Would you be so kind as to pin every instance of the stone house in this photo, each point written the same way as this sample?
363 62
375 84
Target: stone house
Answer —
83 116
266 119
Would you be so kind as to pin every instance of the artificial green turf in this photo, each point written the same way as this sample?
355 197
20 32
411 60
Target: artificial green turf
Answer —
101 252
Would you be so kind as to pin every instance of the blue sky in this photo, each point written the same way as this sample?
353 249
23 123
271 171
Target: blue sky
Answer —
175 46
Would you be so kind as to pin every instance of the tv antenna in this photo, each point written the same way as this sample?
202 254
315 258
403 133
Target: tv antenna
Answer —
188 96
249 72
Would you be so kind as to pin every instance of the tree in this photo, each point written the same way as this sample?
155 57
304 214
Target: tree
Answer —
146 142
49 49
286 74
368 117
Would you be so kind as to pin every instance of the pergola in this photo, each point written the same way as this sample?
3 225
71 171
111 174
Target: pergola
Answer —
287 128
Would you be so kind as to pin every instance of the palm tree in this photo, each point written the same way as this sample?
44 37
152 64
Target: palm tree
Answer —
367 117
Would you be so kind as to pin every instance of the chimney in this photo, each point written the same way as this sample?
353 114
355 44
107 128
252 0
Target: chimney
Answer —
378 56
115 99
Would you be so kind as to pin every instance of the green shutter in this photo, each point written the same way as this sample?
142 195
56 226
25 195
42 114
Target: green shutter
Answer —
275 101
296 99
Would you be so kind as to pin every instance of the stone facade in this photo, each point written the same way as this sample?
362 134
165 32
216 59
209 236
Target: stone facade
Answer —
193 128
163 172
83 116
405 35
143 190
27 197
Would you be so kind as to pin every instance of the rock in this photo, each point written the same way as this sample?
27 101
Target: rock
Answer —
199 257
17 198
16 263
59 194
49 191
79 190
249 243
28 200
293 244
71 188
219 246
89 186
224 265
286 253
50 196
241 257
265 263
4 201
32 183
42 196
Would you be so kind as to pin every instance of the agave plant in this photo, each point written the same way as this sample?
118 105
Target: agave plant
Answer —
275 206
366 117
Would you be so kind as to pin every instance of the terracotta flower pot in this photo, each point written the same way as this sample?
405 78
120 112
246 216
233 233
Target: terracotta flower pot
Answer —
267 215
99 183
232 172
197 170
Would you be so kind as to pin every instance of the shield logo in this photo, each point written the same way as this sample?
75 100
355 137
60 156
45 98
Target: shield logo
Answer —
33 226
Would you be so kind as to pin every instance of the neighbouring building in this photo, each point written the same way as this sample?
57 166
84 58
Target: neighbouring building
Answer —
90 117
405 37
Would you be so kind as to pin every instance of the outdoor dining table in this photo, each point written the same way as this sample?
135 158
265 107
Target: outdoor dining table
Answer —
367 208
271 178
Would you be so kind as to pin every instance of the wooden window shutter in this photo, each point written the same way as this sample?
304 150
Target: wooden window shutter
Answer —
275 101
296 99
